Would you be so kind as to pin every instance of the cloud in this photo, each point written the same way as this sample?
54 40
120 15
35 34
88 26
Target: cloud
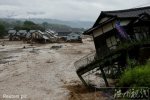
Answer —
35 13
63 9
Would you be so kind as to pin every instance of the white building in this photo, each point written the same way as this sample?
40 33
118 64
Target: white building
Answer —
73 36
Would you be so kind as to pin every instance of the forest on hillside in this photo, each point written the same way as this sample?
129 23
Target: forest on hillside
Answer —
7 24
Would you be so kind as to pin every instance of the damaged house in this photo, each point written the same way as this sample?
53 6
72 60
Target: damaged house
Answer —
12 34
52 36
118 36
22 34
43 37
39 36
28 35
17 35
32 36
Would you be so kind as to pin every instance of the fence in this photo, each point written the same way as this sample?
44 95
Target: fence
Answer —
85 60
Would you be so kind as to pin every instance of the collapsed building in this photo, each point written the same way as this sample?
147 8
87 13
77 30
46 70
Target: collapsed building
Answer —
32 36
39 36
44 37
52 36
12 34
118 36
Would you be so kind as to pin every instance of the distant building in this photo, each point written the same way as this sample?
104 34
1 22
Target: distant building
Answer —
52 32
63 34
31 31
12 31
39 36
74 37
51 35
11 34
22 33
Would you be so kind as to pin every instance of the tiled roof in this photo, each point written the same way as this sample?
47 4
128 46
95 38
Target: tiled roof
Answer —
127 13
12 31
134 12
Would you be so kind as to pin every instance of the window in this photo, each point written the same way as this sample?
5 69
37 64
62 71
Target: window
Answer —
112 42
141 32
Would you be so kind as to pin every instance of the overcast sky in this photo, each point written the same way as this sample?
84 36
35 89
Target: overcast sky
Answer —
84 10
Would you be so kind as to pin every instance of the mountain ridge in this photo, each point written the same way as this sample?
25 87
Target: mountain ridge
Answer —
73 24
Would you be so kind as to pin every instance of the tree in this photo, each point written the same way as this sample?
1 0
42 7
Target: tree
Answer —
45 25
2 31
29 25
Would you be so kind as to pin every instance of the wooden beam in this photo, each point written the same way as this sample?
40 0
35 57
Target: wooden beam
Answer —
83 81
104 76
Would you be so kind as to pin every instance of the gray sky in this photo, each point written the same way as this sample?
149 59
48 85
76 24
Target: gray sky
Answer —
84 10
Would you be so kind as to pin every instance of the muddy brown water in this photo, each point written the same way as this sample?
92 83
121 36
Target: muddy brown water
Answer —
5 56
80 92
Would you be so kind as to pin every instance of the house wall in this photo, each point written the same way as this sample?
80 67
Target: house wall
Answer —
106 39
100 39
104 19
36 35
101 47
109 27
108 34
104 29
97 32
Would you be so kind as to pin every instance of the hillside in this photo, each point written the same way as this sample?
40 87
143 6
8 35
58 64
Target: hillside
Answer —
73 24
55 25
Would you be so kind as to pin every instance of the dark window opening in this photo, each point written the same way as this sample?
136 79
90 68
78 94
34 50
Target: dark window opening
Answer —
141 32
112 42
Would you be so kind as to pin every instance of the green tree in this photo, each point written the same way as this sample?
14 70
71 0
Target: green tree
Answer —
2 31
45 25
29 25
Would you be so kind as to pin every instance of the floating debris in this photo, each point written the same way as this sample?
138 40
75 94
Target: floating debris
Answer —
56 47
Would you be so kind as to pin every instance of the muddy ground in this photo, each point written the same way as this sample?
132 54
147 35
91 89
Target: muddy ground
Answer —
40 72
